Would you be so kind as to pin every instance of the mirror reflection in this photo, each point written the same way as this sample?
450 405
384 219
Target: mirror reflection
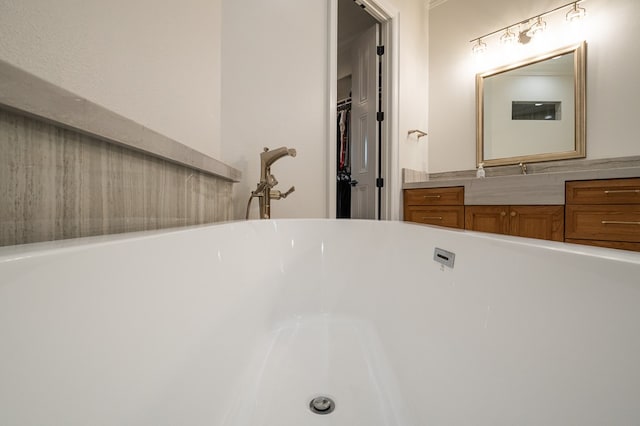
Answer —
534 110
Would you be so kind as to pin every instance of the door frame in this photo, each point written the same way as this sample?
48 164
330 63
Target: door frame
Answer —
388 17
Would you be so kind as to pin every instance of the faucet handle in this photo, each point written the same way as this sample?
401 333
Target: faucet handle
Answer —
272 181
293 188
277 195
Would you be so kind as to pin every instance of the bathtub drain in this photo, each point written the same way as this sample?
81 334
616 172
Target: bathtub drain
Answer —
322 405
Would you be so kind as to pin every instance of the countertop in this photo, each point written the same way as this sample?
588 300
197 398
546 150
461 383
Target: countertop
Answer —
533 189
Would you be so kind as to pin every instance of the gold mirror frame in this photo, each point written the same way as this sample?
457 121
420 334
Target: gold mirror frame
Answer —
579 68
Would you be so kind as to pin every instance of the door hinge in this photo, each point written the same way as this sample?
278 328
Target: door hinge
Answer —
379 182
380 50
380 116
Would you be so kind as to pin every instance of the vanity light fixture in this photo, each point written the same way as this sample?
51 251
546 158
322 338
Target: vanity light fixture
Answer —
479 47
509 37
531 27
576 13
538 27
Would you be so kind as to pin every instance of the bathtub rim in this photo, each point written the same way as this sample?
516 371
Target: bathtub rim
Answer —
44 248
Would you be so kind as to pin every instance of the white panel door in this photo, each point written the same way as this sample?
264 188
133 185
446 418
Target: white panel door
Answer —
363 125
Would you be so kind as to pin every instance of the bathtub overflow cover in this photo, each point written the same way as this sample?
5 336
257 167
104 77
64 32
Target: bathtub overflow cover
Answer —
322 405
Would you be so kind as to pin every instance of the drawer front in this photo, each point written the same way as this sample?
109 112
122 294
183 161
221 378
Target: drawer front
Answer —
608 191
620 245
609 223
435 196
452 217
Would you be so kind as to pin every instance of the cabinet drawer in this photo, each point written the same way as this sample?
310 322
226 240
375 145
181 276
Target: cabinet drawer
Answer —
609 191
609 223
620 245
435 196
450 216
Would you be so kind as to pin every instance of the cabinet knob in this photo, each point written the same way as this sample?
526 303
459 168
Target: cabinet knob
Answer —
503 214
513 214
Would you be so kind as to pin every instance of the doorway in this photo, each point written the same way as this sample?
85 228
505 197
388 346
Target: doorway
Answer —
361 151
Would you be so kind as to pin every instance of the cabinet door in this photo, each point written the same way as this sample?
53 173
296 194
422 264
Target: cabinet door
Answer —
494 219
543 222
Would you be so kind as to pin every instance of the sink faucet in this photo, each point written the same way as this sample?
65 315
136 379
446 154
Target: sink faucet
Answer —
267 181
523 168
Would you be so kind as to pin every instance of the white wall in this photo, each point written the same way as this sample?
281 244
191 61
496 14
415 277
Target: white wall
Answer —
275 93
157 63
612 69
414 79
275 86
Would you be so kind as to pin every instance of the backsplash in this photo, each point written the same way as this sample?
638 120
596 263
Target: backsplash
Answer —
57 183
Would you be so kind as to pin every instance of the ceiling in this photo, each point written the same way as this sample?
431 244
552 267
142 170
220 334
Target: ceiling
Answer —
352 20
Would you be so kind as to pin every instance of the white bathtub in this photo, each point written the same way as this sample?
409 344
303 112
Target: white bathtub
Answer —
244 323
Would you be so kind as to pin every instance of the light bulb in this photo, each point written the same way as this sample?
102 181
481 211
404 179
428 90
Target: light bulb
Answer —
576 13
479 47
537 28
509 37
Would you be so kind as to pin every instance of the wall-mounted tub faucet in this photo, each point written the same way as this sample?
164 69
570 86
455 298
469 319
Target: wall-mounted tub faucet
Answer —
523 168
267 181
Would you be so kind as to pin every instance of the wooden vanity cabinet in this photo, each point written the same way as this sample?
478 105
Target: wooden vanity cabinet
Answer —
445 207
603 213
542 222
435 206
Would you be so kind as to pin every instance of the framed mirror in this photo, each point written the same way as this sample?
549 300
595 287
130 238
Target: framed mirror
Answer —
533 110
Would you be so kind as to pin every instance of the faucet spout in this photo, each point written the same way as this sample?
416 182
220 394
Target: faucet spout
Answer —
268 157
